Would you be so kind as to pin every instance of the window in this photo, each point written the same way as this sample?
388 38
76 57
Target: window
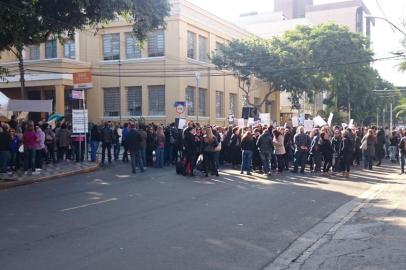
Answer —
219 104
218 48
156 100
112 102
69 49
232 108
191 45
50 48
202 101
34 52
134 101
133 49
190 100
202 49
156 43
111 47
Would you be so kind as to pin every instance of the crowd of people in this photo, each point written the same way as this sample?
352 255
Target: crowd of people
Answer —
260 149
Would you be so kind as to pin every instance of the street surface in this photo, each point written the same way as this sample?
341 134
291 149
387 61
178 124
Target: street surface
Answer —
111 219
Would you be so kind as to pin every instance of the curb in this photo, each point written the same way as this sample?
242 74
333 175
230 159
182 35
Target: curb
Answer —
12 184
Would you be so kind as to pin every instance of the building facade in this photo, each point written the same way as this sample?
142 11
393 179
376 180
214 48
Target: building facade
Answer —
133 79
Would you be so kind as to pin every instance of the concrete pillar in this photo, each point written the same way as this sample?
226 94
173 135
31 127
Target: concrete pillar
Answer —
60 99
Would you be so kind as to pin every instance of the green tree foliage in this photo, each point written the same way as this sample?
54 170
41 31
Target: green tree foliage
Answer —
29 22
325 58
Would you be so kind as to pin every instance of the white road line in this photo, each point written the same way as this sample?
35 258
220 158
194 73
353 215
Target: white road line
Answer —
88 204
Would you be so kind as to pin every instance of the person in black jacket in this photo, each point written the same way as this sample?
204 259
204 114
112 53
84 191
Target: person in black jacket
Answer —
235 147
209 144
133 143
247 149
5 144
326 150
346 153
107 141
190 150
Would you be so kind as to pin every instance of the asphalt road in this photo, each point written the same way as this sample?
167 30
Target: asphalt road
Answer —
111 219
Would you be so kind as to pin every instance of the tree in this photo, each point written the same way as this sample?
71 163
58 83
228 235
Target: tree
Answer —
266 60
325 58
31 22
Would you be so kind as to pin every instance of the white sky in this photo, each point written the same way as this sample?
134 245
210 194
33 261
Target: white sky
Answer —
384 39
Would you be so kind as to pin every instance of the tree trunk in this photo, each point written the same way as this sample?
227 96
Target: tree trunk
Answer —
21 69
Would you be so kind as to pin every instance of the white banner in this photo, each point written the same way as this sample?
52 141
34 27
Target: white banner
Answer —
308 125
80 121
295 121
241 123
330 119
265 118
319 121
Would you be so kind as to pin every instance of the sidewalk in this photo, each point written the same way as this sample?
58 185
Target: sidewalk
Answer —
367 233
374 238
49 172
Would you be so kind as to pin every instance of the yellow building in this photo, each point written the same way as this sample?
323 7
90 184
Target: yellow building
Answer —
132 80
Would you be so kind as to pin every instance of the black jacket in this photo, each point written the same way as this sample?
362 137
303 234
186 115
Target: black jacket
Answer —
248 144
5 141
133 141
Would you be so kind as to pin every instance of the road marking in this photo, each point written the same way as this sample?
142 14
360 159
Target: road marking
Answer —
88 204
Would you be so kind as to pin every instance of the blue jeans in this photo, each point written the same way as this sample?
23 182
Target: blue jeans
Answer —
216 156
246 160
159 157
136 158
300 159
29 159
265 158
117 148
144 156
93 152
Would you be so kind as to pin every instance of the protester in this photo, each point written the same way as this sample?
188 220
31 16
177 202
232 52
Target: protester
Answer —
369 149
133 144
94 142
107 139
326 150
278 141
402 150
209 144
160 147
302 145
247 148
347 151
265 146
5 142
29 140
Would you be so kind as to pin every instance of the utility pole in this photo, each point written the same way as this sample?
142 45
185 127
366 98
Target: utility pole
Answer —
197 75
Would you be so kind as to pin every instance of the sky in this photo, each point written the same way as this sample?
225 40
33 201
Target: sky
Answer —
384 38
